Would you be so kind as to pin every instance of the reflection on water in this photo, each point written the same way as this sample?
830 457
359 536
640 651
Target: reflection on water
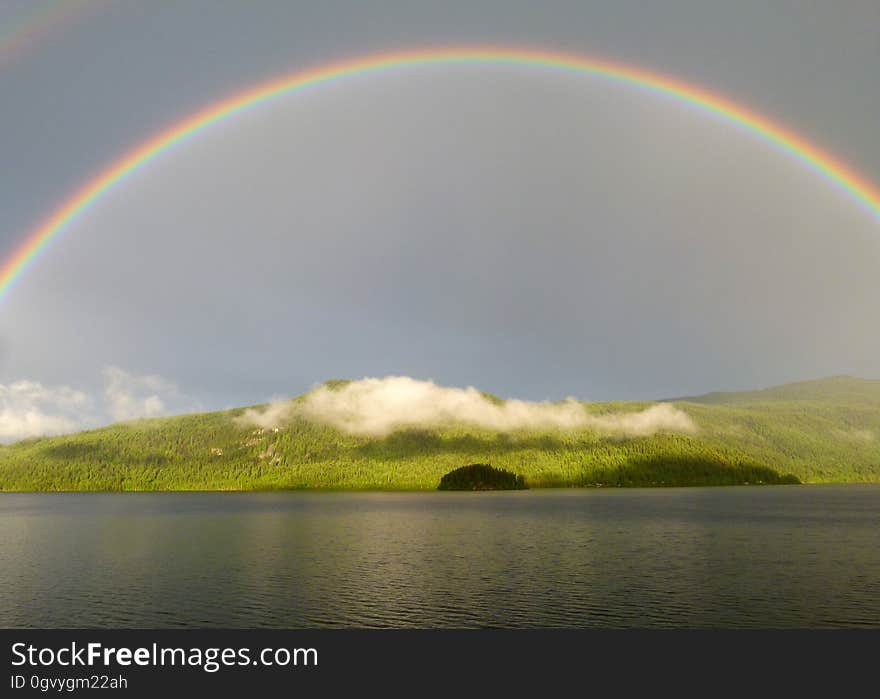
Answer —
791 556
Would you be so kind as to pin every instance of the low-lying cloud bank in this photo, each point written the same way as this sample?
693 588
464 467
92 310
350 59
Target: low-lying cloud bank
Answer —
378 407
273 415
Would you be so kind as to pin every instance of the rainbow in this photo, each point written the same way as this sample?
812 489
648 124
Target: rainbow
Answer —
39 24
822 163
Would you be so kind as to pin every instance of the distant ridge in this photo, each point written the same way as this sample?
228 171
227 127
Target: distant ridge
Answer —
835 389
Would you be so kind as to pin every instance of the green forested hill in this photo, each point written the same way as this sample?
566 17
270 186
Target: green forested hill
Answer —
844 390
817 431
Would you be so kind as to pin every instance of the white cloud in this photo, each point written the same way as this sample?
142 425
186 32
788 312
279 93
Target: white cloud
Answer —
271 416
371 406
130 397
28 408
377 407
32 409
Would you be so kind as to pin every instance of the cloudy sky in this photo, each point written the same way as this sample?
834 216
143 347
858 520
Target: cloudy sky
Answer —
534 234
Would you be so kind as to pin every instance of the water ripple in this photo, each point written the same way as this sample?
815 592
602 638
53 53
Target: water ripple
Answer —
786 557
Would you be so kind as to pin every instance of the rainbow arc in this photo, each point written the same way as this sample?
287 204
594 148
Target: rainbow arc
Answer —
856 186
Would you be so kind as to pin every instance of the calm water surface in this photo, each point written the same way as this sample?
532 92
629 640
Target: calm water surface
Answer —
789 556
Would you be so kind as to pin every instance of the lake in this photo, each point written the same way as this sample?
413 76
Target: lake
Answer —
784 556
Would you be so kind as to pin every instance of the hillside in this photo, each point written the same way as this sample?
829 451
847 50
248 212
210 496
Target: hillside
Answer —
846 390
817 431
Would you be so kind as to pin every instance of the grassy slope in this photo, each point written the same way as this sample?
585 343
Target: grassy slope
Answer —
818 431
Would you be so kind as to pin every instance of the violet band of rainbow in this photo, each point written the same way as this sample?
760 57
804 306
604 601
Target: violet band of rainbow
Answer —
856 186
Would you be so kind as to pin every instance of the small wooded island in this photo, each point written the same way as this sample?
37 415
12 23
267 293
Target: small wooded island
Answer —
481 477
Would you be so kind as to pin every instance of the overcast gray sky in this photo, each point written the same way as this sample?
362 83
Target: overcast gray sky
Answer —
534 234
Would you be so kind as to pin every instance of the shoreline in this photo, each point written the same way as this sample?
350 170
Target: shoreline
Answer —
386 491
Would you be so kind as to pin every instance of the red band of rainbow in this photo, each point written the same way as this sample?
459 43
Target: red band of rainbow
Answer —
834 171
